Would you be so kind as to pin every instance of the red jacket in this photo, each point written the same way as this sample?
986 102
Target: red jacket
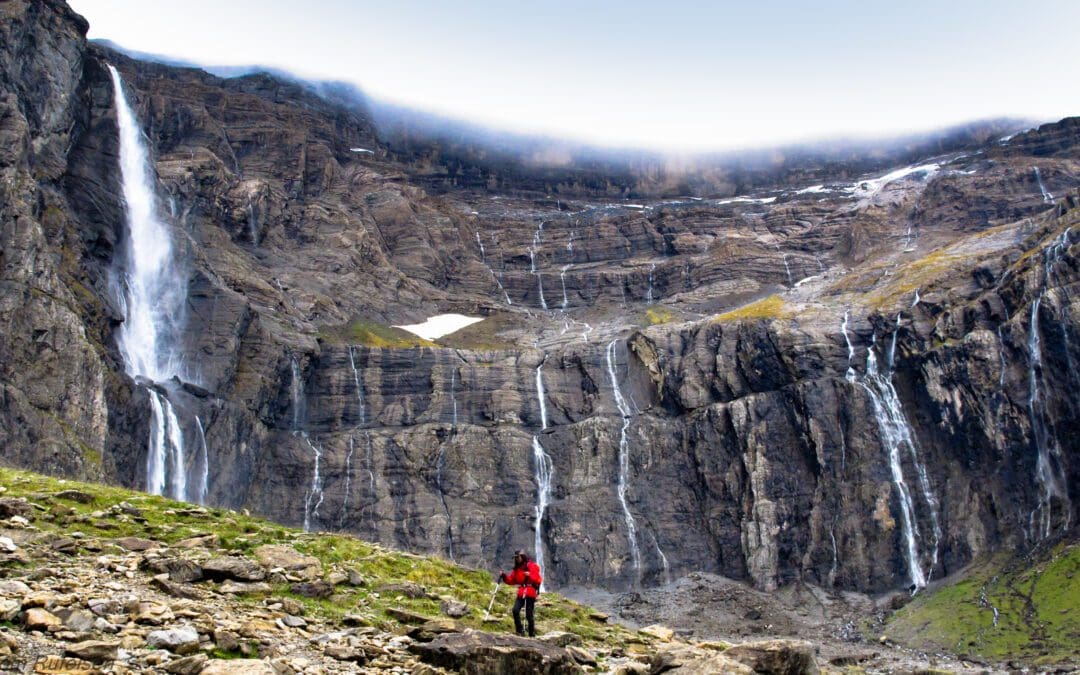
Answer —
527 578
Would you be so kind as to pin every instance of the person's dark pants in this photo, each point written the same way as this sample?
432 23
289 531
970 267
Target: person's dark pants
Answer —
530 609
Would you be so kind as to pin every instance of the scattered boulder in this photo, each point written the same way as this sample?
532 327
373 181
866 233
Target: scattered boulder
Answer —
355 578
15 506
182 640
232 568
429 630
346 653
36 618
163 584
189 665
198 541
662 633
337 578
559 638
483 653
237 667
152 613
78 620
776 657
405 616
179 570
97 651
75 496
136 544
245 588
7 545
13 588
277 556
408 589
454 609
293 621
582 656
313 589
684 658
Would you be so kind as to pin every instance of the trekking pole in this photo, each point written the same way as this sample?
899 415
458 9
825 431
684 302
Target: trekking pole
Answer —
492 603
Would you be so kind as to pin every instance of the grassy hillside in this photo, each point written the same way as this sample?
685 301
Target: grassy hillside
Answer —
96 524
1003 608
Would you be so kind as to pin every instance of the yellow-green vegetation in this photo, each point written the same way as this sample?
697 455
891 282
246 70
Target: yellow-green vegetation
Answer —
771 307
1038 610
169 521
657 315
372 334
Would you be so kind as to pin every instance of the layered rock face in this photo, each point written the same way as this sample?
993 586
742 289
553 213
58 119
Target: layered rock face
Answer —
860 383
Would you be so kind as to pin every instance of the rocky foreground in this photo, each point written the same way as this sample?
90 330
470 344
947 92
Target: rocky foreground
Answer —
98 579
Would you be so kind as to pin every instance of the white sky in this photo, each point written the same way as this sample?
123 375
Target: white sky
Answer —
666 75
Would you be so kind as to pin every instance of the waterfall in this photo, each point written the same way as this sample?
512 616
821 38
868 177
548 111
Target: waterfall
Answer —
787 268
369 462
1048 465
483 258
624 460
896 435
1047 197
543 472
348 482
361 409
314 498
440 463
649 295
152 295
532 262
850 374
562 280
204 464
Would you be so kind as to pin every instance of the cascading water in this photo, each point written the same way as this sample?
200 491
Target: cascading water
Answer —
361 408
314 497
348 482
624 460
1048 465
532 262
204 464
850 374
543 471
498 282
896 435
562 280
152 294
787 268
649 295
1047 197
440 466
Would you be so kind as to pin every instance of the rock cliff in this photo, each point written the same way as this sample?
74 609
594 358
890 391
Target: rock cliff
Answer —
861 383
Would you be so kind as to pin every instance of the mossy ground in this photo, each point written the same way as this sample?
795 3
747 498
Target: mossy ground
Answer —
170 521
372 334
771 307
1038 604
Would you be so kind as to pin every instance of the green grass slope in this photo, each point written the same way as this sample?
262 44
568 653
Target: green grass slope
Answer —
1037 603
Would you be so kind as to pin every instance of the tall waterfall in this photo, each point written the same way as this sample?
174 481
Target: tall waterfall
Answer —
543 473
361 408
624 460
1053 484
483 258
152 294
313 499
203 487
532 262
896 437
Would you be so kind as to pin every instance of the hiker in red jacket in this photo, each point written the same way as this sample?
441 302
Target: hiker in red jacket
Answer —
526 576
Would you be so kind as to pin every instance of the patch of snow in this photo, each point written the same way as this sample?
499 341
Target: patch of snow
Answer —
800 282
869 188
370 152
747 200
438 326
813 189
